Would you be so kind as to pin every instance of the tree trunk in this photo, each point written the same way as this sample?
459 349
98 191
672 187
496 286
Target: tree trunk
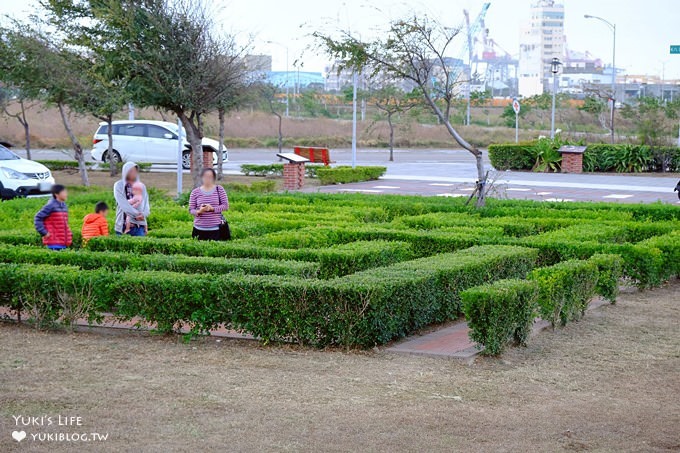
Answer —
77 148
389 122
481 175
195 141
27 132
280 132
113 166
220 151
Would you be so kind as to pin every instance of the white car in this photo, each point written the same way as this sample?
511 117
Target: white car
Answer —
153 142
22 177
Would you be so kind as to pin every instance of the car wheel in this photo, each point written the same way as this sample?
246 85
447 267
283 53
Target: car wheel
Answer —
114 155
186 160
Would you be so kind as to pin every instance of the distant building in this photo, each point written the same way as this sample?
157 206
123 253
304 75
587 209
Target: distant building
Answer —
258 63
541 40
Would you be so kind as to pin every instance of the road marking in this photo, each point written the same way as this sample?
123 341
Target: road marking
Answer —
468 189
456 195
618 196
517 189
558 199
543 193
441 185
386 187
361 190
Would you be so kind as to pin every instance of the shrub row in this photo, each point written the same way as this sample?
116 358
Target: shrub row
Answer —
512 156
87 259
599 157
344 175
363 309
336 260
504 311
274 170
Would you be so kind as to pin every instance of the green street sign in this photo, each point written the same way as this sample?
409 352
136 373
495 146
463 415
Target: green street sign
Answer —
675 49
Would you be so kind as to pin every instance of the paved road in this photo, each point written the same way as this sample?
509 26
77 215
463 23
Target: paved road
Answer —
452 173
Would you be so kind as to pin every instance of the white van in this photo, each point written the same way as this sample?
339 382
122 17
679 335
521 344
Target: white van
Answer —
153 142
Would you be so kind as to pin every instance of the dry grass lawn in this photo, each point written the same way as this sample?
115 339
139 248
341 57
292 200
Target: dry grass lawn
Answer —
608 383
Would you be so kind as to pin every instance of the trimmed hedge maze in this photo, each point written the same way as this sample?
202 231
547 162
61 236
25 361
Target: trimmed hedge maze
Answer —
349 270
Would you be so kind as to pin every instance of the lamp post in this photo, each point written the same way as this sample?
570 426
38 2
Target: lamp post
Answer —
287 72
554 68
613 29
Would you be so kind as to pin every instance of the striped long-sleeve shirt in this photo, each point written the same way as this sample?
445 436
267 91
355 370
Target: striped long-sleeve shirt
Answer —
217 198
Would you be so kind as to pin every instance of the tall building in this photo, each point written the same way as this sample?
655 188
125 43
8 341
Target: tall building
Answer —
541 40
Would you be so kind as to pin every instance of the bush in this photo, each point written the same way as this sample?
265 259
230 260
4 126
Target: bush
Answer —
565 290
622 158
609 273
344 175
500 312
262 170
59 165
512 156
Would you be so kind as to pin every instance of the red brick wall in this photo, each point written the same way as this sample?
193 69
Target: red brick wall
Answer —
293 176
572 163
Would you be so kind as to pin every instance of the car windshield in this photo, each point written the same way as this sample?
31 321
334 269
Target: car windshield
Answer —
6 154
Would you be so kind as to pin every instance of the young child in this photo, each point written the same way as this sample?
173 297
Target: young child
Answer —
95 225
52 220
135 202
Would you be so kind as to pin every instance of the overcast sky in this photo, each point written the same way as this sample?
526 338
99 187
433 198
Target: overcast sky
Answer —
645 29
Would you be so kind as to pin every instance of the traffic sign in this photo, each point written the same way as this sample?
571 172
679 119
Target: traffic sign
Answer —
675 49
515 106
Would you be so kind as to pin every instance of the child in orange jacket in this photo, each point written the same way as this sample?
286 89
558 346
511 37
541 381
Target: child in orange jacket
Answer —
95 225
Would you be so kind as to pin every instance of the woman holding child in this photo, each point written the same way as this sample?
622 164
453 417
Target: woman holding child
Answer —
206 204
132 202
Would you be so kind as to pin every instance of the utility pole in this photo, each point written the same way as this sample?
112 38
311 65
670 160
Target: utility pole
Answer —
355 82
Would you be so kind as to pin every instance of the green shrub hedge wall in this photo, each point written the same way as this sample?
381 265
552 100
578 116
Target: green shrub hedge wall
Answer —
599 157
345 175
500 312
338 269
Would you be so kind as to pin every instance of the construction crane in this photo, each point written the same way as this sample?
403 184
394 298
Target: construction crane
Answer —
473 30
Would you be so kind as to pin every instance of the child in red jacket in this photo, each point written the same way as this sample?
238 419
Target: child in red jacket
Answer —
52 220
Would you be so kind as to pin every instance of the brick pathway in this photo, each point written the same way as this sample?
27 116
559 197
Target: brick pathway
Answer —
453 341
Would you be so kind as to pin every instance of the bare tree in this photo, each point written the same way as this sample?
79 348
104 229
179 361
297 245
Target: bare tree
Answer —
416 50
391 100
15 105
269 96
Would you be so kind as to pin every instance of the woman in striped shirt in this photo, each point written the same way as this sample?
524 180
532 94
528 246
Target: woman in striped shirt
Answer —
206 204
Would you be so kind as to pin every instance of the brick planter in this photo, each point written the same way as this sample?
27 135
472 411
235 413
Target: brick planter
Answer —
293 176
572 158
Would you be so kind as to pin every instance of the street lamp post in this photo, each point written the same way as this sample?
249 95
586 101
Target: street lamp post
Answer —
554 68
287 72
613 29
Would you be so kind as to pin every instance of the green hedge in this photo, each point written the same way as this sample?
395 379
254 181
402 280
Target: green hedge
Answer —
599 157
115 261
363 309
344 175
609 273
500 312
512 156
565 289
275 169
334 261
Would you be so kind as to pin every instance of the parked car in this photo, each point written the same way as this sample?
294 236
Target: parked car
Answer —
152 142
22 177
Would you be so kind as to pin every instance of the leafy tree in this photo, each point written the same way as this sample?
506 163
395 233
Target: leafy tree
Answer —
175 59
45 68
508 114
105 76
413 49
